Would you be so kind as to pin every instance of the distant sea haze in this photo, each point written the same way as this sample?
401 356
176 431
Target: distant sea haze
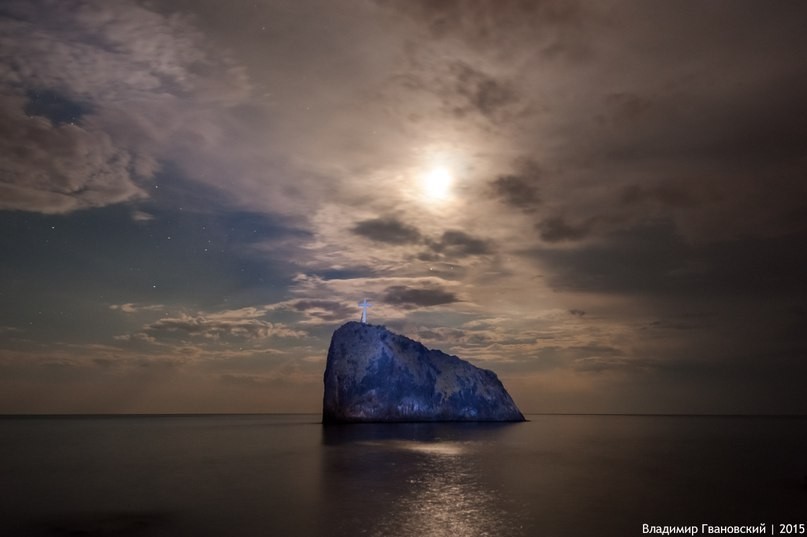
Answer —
285 475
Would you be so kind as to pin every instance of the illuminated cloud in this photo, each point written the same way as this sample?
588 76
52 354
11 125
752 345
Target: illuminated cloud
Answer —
67 94
245 323
135 308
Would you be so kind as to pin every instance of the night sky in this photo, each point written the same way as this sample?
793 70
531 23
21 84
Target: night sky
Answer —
603 202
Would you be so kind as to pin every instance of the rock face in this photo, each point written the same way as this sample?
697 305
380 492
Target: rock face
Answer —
375 375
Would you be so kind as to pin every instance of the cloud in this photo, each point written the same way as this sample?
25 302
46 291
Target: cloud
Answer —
98 51
244 323
480 93
393 298
455 243
665 194
519 191
453 90
637 260
553 28
451 245
557 229
131 307
410 298
90 93
612 360
388 230
58 168
318 311
654 260
142 216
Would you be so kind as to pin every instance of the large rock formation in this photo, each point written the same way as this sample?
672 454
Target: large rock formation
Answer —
373 374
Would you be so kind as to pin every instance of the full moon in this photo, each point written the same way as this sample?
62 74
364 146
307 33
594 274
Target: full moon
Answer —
436 183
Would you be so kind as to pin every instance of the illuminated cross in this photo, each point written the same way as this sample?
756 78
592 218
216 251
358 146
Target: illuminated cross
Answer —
364 305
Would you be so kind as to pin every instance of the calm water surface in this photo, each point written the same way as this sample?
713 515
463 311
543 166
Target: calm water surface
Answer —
288 475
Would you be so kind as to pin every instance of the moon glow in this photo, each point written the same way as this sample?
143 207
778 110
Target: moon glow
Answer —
436 183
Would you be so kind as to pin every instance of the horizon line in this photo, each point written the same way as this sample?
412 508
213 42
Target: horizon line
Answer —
210 414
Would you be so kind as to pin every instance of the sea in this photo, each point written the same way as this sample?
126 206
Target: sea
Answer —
288 475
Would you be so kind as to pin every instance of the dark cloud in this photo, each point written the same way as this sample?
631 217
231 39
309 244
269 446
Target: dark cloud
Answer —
749 123
455 243
557 229
552 27
480 93
723 151
324 310
519 190
635 261
388 230
654 260
465 93
577 312
460 243
625 107
411 298
669 195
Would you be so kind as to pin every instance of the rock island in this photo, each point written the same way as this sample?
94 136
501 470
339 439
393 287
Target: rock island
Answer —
374 375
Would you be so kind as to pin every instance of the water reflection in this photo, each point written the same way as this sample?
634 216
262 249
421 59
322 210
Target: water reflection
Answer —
415 479
442 448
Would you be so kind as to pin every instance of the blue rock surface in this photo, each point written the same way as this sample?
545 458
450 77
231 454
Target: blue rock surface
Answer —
374 375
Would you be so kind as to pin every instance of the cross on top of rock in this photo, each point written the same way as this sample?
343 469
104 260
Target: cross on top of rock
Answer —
364 305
